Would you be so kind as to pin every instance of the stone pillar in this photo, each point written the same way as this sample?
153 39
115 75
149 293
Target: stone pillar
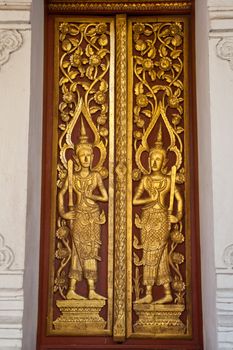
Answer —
15 53
221 107
205 176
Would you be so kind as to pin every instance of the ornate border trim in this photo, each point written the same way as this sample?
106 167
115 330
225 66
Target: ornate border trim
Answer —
121 181
10 41
107 6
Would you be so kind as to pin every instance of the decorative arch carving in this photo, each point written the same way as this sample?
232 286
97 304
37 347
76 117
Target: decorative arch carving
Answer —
10 41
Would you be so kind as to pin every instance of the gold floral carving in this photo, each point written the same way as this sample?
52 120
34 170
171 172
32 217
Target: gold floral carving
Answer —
149 219
121 182
83 147
158 132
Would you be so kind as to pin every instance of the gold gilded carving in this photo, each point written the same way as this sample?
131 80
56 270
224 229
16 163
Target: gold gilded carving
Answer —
151 277
159 319
84 217
121 182
158 164
79 316
155 223
110 6
83 147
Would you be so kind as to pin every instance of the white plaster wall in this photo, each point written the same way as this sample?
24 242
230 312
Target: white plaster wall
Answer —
205 177
14 92
221 106
15 99
31 274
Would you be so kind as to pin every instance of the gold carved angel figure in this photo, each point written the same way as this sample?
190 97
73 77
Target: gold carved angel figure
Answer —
155 222
84 217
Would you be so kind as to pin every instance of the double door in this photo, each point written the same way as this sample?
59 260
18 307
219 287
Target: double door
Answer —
119 251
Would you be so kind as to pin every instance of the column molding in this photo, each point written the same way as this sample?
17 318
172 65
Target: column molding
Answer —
221 75
15 44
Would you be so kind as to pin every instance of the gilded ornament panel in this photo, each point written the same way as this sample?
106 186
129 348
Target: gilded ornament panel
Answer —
121 186
81 255
158 209
114 6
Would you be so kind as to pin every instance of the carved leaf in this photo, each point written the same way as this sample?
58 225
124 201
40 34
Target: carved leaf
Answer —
176 53
147 113
66 45
139 89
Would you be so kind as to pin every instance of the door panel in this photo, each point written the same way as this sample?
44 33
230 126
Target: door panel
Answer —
83 129
119 240
159 291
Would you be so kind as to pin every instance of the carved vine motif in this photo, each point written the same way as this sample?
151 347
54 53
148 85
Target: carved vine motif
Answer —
121 181
83 69
10 41
158 70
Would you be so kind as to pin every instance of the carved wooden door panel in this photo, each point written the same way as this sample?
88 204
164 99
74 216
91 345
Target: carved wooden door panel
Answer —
119 242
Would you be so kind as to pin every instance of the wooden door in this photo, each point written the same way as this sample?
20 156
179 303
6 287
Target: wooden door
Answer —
119 241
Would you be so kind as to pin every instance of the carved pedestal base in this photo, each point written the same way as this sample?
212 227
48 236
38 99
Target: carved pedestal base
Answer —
80 316
159 319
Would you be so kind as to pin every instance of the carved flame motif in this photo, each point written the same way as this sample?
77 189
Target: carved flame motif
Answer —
158 69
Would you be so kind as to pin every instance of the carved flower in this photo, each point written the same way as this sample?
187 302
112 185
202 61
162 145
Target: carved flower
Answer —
101 120
66 45
136 174
94 60
61 175
101 28
140 123
177 237
64 28
142 100
100 97
65 117
178 285
138 28
165 63
180 177
147 64
61 253
176 119
175 29
104 132
174 101
140 45
104 172
68 97
76 58
60 281
103 40
177 258
177 40
137 135
62 232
